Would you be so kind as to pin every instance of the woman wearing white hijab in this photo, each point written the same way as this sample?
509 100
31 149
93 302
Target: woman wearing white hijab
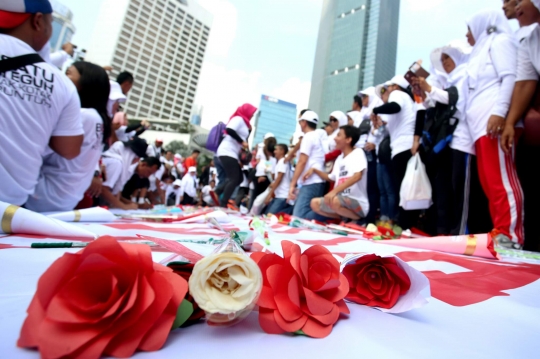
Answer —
452 166
491 76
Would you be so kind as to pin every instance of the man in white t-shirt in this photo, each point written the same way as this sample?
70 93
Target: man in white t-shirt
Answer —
311 156
349 197
528 71
39 105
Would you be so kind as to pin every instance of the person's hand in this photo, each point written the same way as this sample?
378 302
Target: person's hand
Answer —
130 206
261 179
495 126
422 83
507 138
329 198
95 187
369 146
145 206
267 200
292 195
107 68
415 146
309 173
245 145
69 48
286 159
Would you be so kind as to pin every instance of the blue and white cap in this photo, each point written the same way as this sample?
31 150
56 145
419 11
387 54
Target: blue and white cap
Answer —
14 12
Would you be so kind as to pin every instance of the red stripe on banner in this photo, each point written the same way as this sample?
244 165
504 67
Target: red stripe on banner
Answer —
175 247
485 281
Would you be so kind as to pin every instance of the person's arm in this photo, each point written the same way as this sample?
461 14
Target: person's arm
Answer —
297 172
389 108
293 152
521 99
319 173
496 121
234 135
114 201
68 147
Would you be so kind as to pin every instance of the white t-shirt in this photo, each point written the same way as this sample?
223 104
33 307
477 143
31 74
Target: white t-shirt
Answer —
36 102
282 191
346 167
62 182
489 97
265 166
324 139
229 147
331 140
400 126
178 193
118 161
529 57
206 195
312 147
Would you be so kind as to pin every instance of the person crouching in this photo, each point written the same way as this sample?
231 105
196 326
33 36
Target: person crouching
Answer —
349 197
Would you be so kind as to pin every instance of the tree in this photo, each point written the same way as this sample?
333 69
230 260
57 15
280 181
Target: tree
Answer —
178 147
185 127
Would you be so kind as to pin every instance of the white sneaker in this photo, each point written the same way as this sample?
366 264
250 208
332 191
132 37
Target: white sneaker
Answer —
504 241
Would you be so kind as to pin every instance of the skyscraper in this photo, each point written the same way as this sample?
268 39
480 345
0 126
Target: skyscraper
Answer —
162 43
275 116
356 48
63 28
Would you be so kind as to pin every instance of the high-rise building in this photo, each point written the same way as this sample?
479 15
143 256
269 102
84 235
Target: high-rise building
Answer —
275 116
162 43
63 28
356 48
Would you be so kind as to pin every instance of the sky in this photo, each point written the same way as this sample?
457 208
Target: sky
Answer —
268 47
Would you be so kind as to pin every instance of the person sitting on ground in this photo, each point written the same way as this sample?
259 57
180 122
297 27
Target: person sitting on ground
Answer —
189 186
206 197
39 106
349 197
174 193
279 189
121 162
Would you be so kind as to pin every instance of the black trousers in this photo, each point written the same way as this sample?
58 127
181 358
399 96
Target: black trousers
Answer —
234 175
526 159
407 219
440 216
372 187
188 200
260 187
242 192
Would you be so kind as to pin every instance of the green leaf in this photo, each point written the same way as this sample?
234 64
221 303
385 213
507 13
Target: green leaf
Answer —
300 332
184 312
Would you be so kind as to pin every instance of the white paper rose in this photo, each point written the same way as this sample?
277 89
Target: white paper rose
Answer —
226 286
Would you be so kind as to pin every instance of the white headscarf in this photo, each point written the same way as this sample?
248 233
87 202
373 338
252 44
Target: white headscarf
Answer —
356 116
536 3
341 117
484 26
374 100
119 151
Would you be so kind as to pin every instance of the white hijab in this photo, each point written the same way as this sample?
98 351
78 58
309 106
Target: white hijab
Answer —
484 26
357 116
374 100
341 117
119 151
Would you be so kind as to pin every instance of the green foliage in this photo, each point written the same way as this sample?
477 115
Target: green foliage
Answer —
179 147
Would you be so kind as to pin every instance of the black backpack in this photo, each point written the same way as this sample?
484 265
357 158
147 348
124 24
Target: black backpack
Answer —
439 126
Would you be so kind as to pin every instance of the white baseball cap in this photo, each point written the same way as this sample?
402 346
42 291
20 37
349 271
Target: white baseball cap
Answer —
269 135
177 183
310 116
192 169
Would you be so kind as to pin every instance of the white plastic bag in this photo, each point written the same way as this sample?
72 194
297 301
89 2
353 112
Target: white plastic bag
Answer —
258 203
415 192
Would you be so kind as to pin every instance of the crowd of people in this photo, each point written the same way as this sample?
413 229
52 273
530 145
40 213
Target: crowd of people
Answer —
472 119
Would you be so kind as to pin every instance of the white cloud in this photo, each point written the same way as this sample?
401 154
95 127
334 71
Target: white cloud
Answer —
222 90
295 91
224 26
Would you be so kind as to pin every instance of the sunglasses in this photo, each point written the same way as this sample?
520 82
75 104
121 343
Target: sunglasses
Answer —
333 119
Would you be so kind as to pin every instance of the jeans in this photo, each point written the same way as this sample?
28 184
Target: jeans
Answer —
220 174
387 190
279 205
302 207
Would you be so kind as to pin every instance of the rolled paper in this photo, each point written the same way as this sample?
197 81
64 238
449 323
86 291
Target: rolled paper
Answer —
95 214
220 216
17 220
478 245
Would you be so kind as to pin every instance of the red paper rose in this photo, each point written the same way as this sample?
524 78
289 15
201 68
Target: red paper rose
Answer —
184 270
301 292
108 299
376 281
